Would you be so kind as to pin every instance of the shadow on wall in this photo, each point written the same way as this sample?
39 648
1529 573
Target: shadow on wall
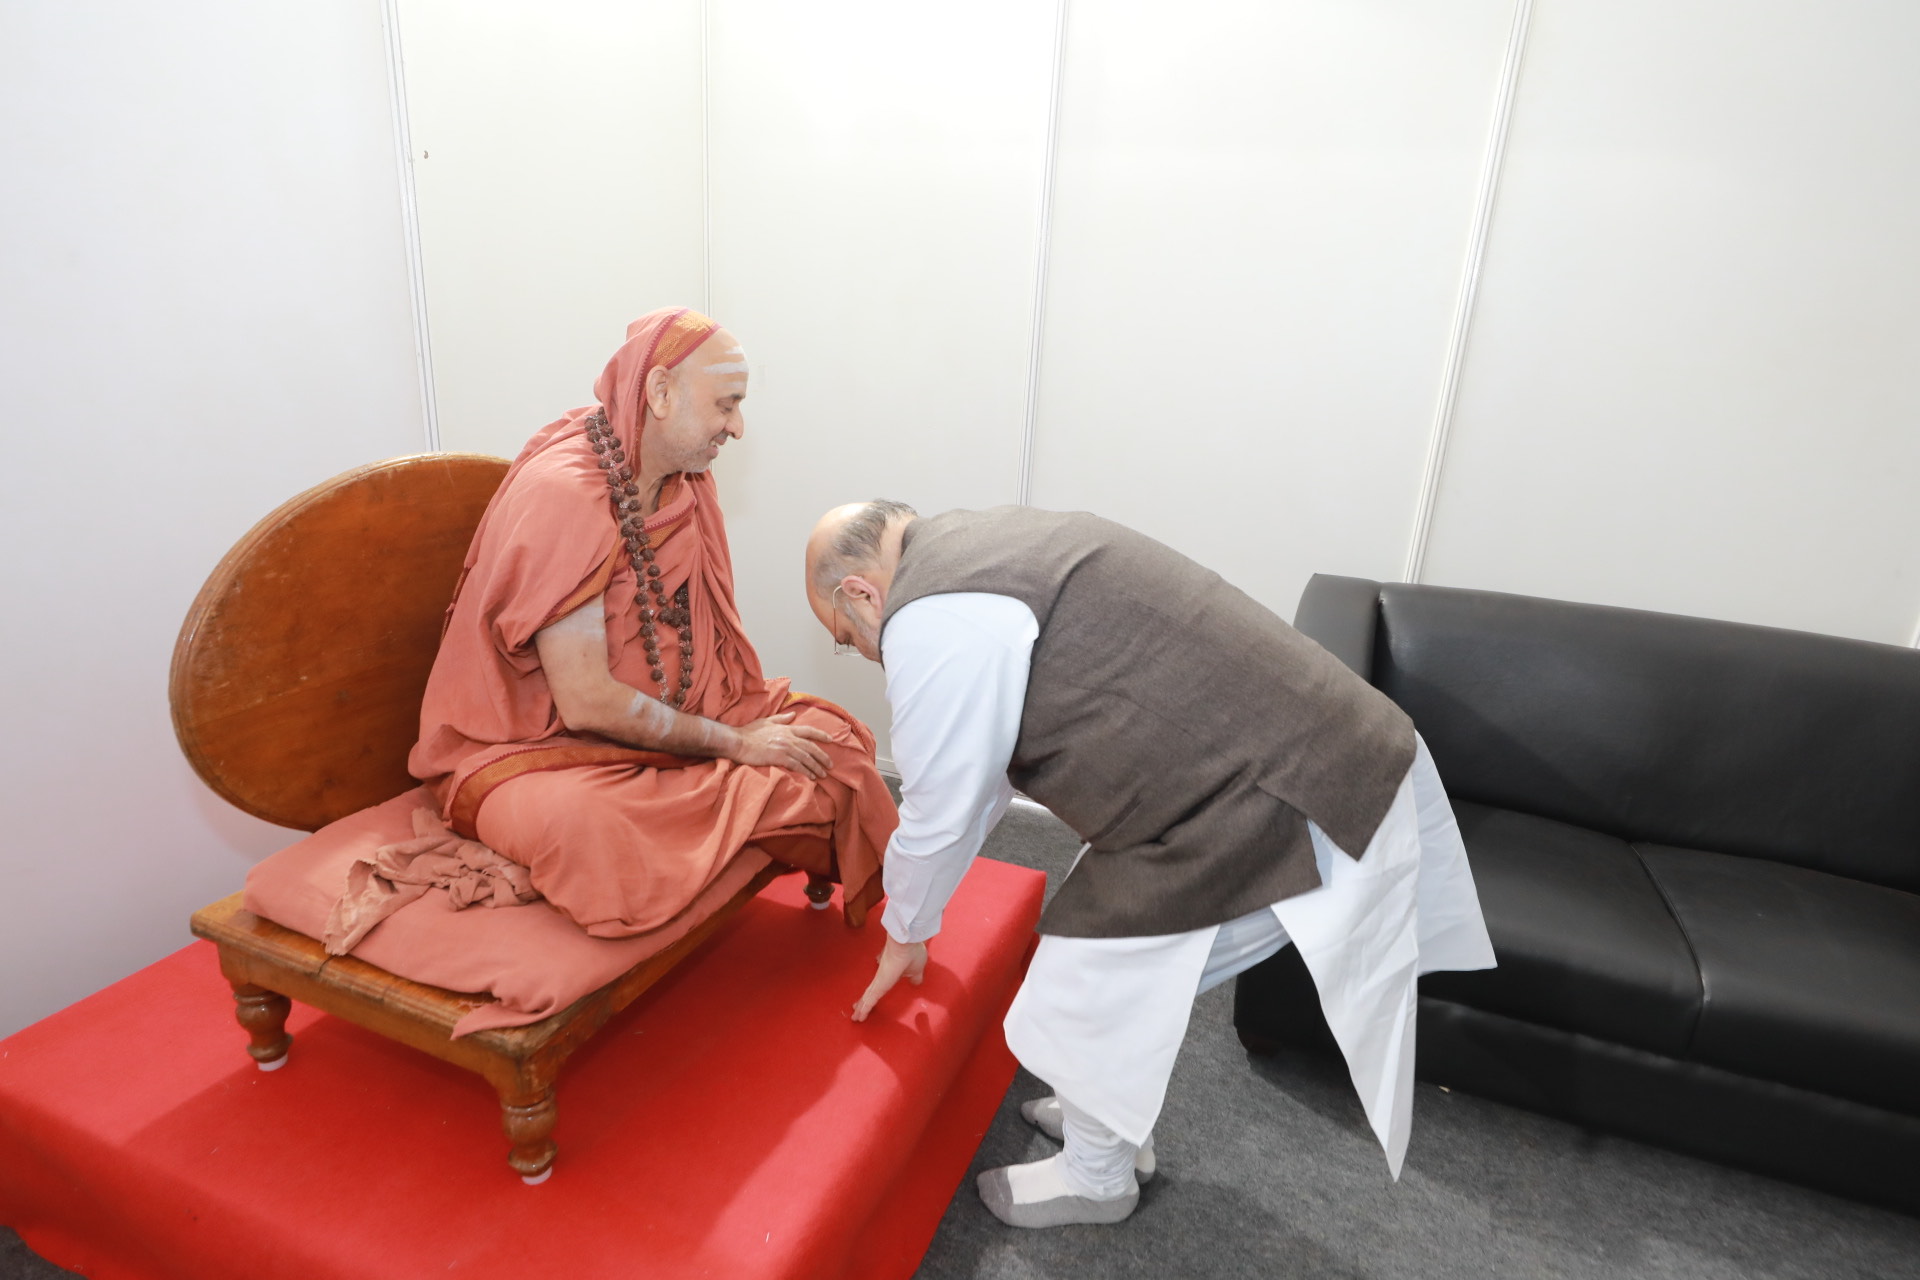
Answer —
241 834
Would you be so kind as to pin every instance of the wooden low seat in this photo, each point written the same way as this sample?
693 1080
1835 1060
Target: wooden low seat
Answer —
269 967
296 692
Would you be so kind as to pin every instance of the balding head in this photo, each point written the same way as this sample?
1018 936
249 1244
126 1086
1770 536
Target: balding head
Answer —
851 556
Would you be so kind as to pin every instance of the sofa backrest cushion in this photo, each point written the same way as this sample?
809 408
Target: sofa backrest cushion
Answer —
1775 744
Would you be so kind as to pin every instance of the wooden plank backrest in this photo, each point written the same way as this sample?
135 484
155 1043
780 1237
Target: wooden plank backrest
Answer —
298 674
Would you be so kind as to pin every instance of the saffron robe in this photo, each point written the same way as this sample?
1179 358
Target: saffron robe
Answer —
618 838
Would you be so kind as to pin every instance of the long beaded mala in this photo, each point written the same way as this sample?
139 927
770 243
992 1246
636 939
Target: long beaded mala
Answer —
625 496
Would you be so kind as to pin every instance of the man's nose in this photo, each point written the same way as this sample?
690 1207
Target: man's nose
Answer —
737 427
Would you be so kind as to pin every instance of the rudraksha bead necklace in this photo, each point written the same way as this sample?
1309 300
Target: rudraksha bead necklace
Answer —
624 493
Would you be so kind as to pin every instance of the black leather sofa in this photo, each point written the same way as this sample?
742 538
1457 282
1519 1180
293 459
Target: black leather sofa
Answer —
1697 845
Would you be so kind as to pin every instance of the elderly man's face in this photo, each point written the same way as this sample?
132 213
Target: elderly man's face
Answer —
840 612
854 619
701 408
849 610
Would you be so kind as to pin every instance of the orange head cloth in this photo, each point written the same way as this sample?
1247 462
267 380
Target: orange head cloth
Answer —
664 337
660 339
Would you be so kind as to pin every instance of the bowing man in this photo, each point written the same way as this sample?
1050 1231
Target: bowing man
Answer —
596 712
1238 789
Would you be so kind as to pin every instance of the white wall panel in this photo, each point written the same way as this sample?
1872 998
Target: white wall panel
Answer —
1260 219
1693 381
875 188
204 296
557 164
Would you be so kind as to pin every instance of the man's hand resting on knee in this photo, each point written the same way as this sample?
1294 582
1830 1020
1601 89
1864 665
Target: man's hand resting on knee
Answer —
897 959
573 656
776 741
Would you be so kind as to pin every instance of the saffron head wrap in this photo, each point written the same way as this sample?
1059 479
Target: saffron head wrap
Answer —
660 339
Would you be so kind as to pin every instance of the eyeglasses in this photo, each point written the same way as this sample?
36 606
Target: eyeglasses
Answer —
840 647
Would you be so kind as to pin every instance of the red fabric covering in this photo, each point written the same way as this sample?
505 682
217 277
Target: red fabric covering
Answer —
735 1122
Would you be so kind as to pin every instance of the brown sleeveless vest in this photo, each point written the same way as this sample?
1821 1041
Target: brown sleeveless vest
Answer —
1183 730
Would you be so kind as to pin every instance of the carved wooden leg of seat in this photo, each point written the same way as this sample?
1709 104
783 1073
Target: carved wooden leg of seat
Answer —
528 1119
264 1014
819 891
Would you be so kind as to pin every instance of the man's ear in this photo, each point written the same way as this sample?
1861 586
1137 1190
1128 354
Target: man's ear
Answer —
659 391
855 587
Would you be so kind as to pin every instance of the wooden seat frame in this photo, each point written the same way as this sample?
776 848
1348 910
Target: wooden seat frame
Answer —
303 720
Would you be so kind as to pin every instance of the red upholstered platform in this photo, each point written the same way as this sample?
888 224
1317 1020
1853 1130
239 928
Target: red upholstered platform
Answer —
735 1122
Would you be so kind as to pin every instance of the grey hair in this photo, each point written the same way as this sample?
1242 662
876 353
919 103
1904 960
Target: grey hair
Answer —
855 546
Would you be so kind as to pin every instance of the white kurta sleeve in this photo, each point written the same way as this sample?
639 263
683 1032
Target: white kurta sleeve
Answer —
957 683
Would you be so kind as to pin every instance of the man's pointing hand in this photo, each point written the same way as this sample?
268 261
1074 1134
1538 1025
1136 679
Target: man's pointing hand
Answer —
897 959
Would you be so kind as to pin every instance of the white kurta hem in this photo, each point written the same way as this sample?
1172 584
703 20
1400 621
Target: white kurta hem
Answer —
1102 1019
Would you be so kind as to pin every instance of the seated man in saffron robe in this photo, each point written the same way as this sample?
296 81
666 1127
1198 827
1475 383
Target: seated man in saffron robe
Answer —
596 712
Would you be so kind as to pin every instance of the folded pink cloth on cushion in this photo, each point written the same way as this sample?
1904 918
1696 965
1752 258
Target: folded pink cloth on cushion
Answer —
394 875
532 960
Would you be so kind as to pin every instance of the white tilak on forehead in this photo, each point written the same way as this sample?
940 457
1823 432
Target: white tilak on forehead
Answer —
731 366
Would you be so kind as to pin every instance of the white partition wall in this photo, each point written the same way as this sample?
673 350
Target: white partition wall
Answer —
1260 221
1687 380
1693 381
205 301
876 177
557 160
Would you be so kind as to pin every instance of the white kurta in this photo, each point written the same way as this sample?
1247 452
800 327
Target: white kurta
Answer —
1102 1019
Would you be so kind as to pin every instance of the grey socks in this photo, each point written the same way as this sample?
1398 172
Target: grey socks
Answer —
1038 1195
1045 1115
1056 1192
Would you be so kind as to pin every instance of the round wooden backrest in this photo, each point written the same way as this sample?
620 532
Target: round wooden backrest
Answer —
298 673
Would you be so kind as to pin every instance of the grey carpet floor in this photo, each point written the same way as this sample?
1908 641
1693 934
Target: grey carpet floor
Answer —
1267 1169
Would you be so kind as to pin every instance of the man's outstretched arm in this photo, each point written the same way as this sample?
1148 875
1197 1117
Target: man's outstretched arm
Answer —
957 669
573 654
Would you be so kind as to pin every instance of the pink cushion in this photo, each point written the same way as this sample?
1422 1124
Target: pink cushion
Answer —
532 960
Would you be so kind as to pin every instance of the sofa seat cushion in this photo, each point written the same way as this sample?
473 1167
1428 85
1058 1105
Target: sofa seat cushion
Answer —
1584 940
1810 979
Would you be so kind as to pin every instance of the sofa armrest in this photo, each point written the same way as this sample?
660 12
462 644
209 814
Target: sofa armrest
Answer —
1342 614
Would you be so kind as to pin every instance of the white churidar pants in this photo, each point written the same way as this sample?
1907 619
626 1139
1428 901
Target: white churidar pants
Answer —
1101 1019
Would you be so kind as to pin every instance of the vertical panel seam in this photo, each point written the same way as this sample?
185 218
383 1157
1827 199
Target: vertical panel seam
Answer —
410 220
706 162
1041 255
1442 427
